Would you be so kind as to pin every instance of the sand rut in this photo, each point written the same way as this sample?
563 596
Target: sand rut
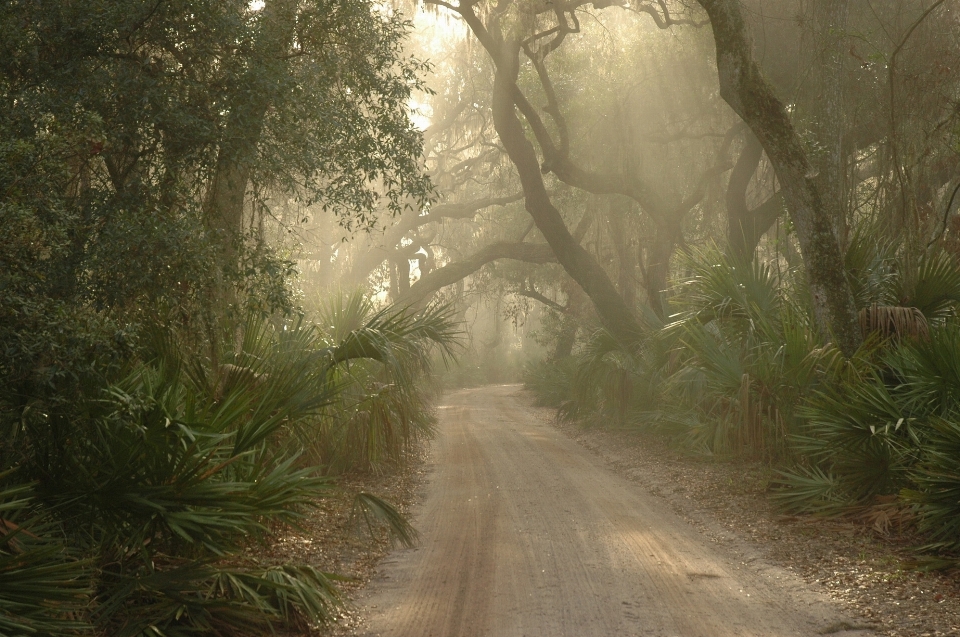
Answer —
524 534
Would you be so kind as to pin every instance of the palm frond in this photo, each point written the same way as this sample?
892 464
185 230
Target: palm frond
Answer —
44 588
872 268
936 490
893 322
376 513
722 287
935 287
810 490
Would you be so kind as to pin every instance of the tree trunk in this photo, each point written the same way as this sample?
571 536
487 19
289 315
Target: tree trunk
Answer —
578 263
403 275
830 19
570 323
255 93
743 87
449 274
746 226
626 256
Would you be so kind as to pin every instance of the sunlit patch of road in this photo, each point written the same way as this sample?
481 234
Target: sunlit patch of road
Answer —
524 534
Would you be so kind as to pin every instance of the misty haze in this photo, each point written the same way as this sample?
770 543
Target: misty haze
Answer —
479 318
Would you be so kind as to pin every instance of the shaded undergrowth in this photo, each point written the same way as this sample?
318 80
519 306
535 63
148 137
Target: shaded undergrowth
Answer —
129 510
739 369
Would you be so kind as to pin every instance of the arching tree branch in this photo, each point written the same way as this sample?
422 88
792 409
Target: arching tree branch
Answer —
457 270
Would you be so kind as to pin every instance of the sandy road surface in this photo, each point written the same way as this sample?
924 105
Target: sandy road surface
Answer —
524 534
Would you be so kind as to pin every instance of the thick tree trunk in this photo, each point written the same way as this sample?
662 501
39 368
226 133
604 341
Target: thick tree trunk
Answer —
255 93
743 87
403 275
578 263
626 255
830 18
570 323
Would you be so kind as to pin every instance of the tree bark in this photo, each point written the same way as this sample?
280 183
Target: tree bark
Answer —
746 226
830 18
403 275
626 255
452 272
223 208
578 263
367 262
743 87
570 323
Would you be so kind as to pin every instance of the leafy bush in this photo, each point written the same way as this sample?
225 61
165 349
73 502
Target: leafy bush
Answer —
380 365
551 381
164 477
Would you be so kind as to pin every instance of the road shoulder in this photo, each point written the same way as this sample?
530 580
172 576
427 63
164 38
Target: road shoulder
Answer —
728 502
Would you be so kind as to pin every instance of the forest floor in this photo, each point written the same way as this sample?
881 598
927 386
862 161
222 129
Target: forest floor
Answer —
609 533
333 540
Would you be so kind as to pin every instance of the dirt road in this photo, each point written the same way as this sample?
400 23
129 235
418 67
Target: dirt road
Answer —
524 534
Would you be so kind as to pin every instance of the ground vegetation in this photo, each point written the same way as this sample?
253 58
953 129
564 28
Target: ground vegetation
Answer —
236 237
169 400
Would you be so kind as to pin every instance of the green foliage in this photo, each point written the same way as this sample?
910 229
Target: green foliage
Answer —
376 514
551 381
117 116
747 356
613 383
154 391
742 370
379 360
171 470
861 433
810 490
190 597
935 489
605 382
935 286
44 590
721 288
881 273
164 477
872 272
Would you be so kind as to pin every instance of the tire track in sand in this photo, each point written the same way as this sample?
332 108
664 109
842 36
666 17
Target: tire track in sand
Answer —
524 534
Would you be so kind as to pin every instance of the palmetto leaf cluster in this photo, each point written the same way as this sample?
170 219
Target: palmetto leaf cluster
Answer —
130 514
380 359
849 434
748 355
740 368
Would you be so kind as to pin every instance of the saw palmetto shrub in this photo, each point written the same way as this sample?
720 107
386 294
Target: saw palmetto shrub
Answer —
883 442
44 585
747 355
550 380
131 513
740 369
384 387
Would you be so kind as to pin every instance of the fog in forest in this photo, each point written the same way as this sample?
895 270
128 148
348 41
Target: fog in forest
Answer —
247 249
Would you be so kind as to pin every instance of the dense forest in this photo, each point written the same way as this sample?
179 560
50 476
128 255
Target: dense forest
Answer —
245 244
